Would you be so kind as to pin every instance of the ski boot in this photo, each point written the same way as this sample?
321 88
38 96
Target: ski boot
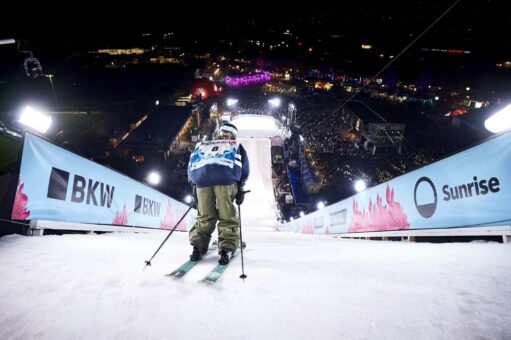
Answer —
196 255
224 257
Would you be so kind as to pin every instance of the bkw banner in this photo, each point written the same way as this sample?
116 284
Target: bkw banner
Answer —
58 185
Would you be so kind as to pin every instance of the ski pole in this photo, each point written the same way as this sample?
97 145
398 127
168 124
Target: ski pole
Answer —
148 263
242 276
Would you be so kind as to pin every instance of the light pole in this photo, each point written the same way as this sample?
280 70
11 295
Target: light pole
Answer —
291 113
50 77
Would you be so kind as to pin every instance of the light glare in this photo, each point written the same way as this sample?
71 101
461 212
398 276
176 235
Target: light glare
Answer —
231 102
35 119
360 185
154 178
274 102
500 121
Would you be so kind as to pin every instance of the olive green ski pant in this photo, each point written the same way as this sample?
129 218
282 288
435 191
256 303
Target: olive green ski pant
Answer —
214 204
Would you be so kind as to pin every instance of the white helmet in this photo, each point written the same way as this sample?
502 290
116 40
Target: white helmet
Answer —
226 131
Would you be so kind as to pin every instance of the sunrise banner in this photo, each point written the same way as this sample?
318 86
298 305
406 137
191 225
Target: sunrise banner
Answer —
470 188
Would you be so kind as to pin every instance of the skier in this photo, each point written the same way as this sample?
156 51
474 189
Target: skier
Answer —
217 170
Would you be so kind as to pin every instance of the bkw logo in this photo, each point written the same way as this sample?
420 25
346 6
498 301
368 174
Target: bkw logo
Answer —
90 191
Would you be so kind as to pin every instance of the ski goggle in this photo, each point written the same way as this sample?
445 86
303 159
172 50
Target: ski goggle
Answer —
225 135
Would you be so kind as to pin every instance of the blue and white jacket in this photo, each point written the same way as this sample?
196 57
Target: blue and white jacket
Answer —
218 162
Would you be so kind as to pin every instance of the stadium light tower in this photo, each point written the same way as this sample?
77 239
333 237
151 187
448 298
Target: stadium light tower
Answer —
499 121
35 119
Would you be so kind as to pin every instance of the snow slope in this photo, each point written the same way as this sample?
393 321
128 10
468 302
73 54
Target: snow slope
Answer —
298 287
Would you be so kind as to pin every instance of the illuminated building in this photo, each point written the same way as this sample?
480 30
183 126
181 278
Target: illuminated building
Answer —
279 87
121 51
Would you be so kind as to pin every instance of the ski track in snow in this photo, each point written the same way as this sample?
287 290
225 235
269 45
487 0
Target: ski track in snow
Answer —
298 287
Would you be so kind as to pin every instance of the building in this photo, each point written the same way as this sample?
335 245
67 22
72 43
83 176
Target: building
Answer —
162 132
373 132
203 88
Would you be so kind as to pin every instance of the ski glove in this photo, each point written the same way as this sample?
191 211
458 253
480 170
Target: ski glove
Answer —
240 195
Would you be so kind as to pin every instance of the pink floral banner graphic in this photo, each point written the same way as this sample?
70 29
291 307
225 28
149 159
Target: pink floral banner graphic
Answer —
379 216
171 218
19 209
121 218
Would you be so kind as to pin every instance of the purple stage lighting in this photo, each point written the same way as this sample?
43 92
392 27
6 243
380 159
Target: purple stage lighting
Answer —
251 79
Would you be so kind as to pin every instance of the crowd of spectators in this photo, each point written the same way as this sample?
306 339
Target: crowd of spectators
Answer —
338 160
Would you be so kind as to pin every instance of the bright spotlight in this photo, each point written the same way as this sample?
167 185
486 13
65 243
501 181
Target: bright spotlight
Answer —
360 185
320 205
302 214
231 102
154 178
188 199
499 121
36 120
274 102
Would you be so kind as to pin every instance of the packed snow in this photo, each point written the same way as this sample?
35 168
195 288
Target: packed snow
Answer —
257 126
260 210
298 287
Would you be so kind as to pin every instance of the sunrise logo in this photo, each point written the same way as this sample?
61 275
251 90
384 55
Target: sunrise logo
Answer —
425 193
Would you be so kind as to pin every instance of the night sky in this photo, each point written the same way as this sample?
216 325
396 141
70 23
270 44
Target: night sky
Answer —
480 26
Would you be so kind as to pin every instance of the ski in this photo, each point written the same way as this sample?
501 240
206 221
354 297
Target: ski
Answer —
216 272
185 267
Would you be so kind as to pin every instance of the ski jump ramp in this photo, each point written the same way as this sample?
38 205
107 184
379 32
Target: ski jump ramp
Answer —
259 211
